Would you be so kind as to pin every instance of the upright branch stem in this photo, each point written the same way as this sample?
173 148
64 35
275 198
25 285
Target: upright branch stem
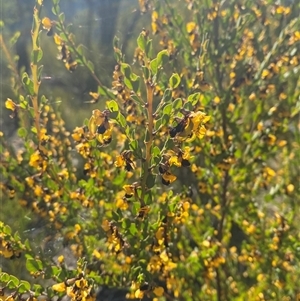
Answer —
34 71
148 138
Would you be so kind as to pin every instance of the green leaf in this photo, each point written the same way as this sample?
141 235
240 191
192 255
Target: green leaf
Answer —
162 57
7 230
115 215
121 119
170 144
38 289
105 92
174 81
141 42
177 104
132 229
126 70
22 132
44 100
133 145
148 198
14 280
194 98
24 286
32 265
156 157
158 123
40 69
118 55
188 106
153 66
4 277
126 224
167 109
148 49
91 66
136 150
116 42
14 38
80 48
36 55
165 120
17 236
113 106
28 83
62 17
128 83
136 84
27 244
146 72
155 151
167 95
54 10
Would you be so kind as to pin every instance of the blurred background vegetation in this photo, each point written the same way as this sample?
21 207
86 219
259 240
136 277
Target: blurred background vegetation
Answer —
94 23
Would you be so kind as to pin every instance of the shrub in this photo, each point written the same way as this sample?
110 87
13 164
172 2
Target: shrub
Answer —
189 185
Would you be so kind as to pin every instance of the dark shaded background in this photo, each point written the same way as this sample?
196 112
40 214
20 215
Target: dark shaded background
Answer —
94 23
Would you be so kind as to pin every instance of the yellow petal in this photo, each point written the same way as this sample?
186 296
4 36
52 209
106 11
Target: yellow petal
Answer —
174 160
201 132
92 125
59 287
139 294
9 104
158 291
169 178
57 39
154 16
47 23
190 26
120 161
105 225
129 190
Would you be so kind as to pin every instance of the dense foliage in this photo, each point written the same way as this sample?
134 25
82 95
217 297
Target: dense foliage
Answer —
186 181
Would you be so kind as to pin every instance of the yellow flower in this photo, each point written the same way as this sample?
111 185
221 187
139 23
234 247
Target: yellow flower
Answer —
129 190
198 118
59 287
160 235
47 24
78 134
158 291
57 39
139 294
190 27
168 178
61 259
174 160
120 161
43 135
122 204
106 137
200 132
35 159
9 104
105 225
